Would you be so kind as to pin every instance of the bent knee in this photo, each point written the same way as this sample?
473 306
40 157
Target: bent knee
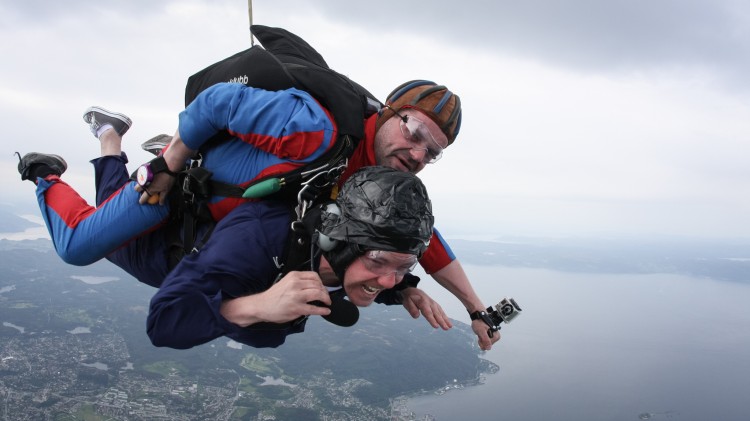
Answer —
78 256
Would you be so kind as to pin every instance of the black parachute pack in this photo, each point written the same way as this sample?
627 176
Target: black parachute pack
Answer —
283 60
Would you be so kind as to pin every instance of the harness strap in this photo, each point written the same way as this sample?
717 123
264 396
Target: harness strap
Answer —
196 190
298 255
227 190
195 187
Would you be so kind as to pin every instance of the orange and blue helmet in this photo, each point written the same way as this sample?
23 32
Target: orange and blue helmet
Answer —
436 101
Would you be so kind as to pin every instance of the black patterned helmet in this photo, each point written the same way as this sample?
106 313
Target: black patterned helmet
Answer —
382 209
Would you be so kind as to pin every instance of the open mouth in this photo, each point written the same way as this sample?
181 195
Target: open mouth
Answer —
370 290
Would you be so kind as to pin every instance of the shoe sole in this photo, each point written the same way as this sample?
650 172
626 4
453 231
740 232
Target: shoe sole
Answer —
160 140
32 158
119 116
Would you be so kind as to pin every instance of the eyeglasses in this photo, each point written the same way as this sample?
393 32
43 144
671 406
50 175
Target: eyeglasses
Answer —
384 263
415 131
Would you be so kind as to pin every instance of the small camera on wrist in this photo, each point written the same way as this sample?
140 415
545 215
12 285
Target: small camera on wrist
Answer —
505 311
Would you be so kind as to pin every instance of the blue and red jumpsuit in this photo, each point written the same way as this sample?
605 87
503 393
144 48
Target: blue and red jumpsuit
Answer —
276 131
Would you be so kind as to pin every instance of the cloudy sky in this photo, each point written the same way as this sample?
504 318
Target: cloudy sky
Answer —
583 117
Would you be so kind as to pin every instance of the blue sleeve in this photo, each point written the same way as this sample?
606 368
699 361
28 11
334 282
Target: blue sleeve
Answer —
288 123
237 260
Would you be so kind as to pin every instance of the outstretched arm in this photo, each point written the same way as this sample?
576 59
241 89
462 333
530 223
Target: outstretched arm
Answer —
453 278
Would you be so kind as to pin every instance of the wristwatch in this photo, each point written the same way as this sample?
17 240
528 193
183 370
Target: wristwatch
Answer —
146 172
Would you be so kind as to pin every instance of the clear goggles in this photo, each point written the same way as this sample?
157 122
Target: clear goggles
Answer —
415 131
384 263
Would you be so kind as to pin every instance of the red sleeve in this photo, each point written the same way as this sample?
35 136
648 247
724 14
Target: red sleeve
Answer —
438 254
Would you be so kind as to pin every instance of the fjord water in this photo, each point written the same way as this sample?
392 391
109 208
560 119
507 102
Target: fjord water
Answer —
607 347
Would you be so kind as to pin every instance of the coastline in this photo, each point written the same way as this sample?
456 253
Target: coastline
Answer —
399 407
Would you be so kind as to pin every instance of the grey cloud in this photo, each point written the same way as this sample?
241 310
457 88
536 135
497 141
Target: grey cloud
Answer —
39 12
589 35
597 35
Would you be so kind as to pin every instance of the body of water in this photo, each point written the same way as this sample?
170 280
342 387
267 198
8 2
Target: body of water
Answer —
95 280
32 233
79 330
11 325
271 381
607 347
97 365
